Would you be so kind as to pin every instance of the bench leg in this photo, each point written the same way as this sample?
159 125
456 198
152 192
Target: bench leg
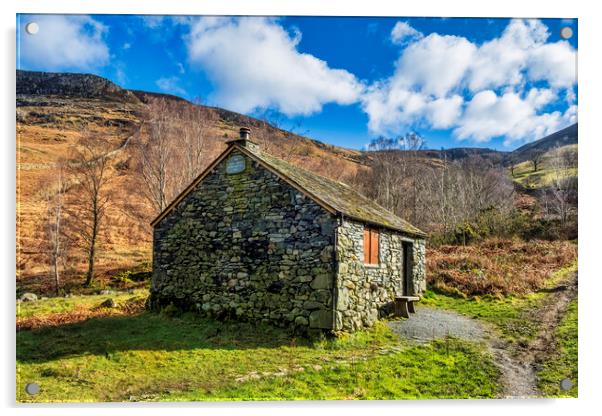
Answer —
411 308
404 309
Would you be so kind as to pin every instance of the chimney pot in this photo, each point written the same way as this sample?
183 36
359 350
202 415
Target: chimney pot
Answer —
244 140
245 133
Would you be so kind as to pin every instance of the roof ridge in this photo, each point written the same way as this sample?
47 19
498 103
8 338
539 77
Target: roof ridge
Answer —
311 172
262 155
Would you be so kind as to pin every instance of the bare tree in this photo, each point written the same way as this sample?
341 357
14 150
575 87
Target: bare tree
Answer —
89 166
157 156
536 158
395 166
174 153
55 240
193 127
436 195
560 196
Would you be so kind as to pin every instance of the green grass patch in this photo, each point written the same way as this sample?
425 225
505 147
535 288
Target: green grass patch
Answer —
545 174
440 370
564 364
510 314
49 306
151 356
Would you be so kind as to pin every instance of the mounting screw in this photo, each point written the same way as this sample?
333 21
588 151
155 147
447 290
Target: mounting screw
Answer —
566 384
566 32
32 28
32 388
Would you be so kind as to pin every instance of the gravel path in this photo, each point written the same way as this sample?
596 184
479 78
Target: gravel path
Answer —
429 323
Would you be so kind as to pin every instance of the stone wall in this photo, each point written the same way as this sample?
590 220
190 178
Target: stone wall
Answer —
419 272
364 293
250 246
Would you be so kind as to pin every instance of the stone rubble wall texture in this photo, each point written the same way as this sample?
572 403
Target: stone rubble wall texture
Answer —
365 293
251 247
248 246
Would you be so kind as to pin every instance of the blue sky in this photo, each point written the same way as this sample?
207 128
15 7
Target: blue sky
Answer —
344 80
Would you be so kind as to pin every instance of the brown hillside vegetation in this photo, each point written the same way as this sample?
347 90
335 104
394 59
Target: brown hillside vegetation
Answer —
49 128
497 266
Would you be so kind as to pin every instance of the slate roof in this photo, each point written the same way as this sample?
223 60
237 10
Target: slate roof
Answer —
338 196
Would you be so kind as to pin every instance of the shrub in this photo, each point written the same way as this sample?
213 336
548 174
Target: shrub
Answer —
496 266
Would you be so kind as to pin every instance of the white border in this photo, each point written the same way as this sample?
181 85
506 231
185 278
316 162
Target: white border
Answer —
590 107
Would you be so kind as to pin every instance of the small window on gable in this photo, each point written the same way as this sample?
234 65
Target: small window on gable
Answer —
370 246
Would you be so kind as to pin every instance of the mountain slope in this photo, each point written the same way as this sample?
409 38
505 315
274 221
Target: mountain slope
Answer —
53 111
566 136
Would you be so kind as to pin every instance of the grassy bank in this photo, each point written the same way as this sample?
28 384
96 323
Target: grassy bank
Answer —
147 356
564 364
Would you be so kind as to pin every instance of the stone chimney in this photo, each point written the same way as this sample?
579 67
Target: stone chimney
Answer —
244 140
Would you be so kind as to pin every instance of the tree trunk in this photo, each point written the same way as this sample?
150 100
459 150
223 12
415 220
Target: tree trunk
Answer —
92 251
57 279
90 273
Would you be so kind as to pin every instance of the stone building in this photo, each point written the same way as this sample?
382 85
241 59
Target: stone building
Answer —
256 238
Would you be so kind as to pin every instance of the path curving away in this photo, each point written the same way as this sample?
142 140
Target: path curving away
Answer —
518 365
518 380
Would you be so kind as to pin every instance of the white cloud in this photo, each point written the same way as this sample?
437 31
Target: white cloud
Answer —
488 115
402 32
254 64
397 107
170 85
555 63
434 73
435 65
64 42
501 61
443 112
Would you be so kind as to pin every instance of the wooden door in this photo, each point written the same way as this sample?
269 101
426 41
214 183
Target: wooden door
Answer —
408 267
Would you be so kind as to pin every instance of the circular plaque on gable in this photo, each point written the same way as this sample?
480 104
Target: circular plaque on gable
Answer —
235 164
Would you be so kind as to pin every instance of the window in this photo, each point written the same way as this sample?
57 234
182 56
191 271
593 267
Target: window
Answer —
370 246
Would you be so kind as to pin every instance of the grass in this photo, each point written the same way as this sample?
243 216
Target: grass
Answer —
510 314
50 306
439 370
132 355
564 364
134 276
148 356
545 174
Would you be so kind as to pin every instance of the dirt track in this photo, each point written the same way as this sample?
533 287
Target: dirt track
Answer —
519 370
518 364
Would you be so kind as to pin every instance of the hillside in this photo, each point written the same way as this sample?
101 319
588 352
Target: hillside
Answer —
564 137
53 111
547 172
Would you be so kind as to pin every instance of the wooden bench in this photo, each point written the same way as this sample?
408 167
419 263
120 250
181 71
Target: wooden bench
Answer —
404 305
